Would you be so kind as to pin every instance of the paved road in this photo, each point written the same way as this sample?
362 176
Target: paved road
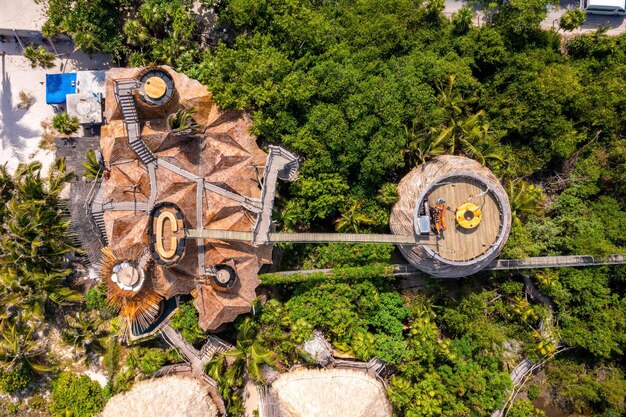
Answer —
617 24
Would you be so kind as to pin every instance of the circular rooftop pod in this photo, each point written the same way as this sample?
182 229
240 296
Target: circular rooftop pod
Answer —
156 86
224 277
458 210
128 277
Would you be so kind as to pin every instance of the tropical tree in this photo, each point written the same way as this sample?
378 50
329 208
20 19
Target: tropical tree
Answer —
38 56
352 218
572 19
387 194
182 119
83 332
524 199
19 348
248 354
91 166
421 146
65 124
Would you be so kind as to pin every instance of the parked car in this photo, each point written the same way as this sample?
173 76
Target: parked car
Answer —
606 7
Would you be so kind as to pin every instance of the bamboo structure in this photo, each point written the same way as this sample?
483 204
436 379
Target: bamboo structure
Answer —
459 182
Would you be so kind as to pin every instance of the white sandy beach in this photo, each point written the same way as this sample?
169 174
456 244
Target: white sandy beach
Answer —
21 14
20 130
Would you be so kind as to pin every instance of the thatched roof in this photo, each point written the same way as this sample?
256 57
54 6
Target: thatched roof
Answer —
171 396
330 393
460 252
223 153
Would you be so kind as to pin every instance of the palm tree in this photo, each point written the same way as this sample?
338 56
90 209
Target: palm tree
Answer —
136 33
248 354
352 218
463 131
91 166
65 124
38 56
388 194
83 332
182 119
18 347
422 146
58 177
524 199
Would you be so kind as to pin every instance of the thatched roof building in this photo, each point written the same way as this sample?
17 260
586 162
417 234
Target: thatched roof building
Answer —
464 198
173 186
168 396
330 393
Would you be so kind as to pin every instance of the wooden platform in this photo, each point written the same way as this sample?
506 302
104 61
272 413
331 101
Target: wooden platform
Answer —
458 244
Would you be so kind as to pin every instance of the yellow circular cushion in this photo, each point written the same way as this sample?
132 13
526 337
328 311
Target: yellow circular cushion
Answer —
468 215
155 88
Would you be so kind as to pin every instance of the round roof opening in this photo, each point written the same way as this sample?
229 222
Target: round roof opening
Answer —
155 88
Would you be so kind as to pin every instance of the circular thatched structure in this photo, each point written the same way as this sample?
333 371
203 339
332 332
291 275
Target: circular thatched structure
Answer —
330 393
433 198
171 396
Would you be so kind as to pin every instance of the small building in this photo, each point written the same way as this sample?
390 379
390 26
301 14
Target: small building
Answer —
82 93
466 208
87 102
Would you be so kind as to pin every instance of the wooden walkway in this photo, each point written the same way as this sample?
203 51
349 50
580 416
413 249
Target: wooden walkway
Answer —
407 270
280 164
305 237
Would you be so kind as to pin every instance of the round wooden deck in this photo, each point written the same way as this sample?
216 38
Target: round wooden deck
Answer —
457 243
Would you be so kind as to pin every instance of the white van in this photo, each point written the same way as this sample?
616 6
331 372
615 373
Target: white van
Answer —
607 7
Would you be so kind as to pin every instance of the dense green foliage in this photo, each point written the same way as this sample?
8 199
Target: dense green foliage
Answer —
76 396
185 320
363 273
365 90
34 238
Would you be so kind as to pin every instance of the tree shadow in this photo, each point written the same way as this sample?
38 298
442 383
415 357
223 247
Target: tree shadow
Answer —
594 21
12 133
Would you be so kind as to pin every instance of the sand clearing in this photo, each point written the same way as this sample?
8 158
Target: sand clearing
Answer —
20 130
21 14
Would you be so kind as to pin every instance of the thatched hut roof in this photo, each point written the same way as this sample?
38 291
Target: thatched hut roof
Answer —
459 251
330 393
221 152
172 396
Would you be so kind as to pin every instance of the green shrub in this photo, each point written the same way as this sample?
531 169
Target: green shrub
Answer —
533 392
186 321
76 396
150 360
17 380
96 299
65 124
